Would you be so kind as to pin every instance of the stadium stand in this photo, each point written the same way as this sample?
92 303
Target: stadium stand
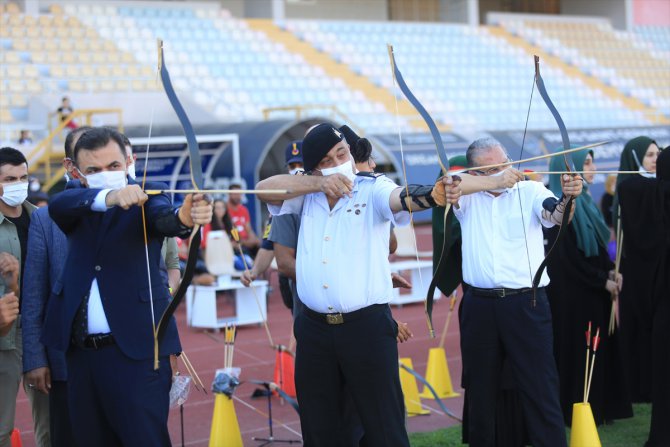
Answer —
634 63
469 78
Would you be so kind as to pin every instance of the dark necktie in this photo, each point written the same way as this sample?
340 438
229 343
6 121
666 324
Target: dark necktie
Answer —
80 323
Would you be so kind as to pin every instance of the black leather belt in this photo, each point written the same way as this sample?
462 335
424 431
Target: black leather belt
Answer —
340 318
500 292
98 341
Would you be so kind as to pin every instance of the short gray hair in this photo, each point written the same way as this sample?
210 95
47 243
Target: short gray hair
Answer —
479 146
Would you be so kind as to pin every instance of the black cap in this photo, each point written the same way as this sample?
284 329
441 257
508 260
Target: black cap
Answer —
350 135
318 142
294 152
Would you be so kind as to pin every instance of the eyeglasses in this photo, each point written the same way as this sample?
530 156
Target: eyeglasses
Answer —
492 170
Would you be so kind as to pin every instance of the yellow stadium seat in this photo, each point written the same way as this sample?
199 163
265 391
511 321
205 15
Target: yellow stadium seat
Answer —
127 58
52 45
57 71
98 58
30 71
77 33
55 9
33 32
119 70
15 20
58 21
76 86
12 57
35 45
20 45
106 85
13 8
17 32
122 85
58 58
63 33
67 58
29 21
16 86
91 33
70 45
133 71
139 85
88 71
101 71
114 58
14 71
4 101
72 71
6 116
92 86
33 86
18 101
4 31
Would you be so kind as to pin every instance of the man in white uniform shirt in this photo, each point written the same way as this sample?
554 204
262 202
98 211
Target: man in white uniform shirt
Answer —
501 316
346 332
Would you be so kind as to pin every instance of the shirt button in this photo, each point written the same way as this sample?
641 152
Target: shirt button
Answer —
98 268
325 286
327 238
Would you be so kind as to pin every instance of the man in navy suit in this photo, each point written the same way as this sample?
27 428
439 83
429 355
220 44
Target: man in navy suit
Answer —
103 310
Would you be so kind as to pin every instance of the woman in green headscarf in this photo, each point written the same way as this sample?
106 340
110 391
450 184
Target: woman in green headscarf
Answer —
639 154
582 290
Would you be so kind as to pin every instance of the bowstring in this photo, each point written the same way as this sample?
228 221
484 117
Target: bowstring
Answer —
404 173
523 220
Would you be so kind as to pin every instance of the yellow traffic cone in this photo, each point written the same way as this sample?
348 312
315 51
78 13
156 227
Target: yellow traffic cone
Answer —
225 429
584 432
437 374
410 390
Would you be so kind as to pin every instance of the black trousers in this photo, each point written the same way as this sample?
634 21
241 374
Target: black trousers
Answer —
510 327
60 426
117 401
363 354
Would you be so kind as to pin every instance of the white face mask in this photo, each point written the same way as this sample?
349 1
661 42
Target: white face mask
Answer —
107 180
497 174
14 194
644 173
131 171
294 171
346 169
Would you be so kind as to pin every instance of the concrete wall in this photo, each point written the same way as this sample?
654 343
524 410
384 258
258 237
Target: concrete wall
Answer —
614 10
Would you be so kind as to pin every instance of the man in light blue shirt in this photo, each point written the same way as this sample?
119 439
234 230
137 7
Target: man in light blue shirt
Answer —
345 331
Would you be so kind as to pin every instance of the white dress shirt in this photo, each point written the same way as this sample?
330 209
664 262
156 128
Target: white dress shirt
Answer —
97 320
342 257
494 243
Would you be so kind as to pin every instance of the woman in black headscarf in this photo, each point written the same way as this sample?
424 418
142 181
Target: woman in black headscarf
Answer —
637 259
582 291
645 217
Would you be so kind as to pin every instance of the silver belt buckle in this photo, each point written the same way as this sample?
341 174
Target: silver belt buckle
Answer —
334 318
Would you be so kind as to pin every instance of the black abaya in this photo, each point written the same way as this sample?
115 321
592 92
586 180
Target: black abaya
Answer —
577 295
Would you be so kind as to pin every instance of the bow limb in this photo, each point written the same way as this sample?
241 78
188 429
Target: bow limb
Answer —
197 179
443 160
569 166
431 389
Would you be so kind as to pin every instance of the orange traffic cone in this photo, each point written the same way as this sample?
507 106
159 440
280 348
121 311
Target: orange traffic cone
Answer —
284 371
15 439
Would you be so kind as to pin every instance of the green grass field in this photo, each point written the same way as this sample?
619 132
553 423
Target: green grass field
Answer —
622 433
